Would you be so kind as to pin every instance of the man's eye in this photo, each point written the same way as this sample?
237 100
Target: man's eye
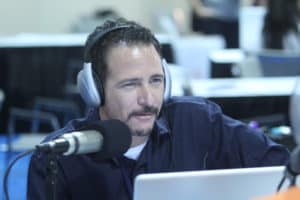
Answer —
157 80
129 85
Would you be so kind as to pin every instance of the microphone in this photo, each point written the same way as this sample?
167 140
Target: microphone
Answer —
105 139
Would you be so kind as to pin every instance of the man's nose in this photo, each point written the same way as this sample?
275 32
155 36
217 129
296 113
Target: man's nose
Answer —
145 96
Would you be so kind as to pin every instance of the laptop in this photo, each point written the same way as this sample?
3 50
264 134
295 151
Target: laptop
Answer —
279 64
228 184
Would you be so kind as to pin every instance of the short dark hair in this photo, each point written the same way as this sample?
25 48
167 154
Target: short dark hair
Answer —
132 34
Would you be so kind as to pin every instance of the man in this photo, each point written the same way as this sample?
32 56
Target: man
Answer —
176 134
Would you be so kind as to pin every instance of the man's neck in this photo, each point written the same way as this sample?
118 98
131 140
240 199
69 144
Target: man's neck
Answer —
136 140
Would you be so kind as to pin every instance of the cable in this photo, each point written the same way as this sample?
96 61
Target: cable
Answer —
280 183
8 169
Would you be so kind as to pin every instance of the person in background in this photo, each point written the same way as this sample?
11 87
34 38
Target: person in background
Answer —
217 17
259 2
169 134
87 23
281 26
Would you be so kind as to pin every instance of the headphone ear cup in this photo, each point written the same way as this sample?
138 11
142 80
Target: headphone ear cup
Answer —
168 81
87 86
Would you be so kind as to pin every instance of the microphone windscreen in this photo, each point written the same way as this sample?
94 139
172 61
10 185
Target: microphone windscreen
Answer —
116 138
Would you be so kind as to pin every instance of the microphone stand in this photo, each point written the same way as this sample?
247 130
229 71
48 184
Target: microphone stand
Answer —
292 169
51 179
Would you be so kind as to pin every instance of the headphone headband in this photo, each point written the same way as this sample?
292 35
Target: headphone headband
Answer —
90 45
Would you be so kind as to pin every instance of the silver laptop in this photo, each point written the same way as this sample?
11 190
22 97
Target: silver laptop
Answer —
229 184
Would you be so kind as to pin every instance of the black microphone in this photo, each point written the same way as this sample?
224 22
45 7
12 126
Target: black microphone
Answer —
106 139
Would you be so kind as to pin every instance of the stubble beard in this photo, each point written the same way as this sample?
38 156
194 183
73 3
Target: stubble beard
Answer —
142 133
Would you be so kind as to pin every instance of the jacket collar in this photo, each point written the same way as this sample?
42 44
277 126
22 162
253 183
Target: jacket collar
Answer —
161 128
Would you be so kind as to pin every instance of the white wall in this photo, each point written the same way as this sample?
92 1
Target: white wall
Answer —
16 16
56 16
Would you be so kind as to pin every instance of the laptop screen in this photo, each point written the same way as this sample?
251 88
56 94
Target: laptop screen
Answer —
279 65
231 184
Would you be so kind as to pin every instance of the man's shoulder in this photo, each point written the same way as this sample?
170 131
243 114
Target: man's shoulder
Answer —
191 103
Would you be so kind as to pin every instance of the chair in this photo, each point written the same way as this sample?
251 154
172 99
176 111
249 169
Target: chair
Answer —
22 142
32 136
67 107
63 109
27 115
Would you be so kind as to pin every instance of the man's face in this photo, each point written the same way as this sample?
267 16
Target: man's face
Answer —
134 87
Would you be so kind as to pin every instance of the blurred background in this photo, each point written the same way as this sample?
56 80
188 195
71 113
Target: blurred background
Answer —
59 17
243 55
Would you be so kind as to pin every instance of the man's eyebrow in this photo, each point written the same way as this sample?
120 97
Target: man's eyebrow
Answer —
157 76
129 80
137 79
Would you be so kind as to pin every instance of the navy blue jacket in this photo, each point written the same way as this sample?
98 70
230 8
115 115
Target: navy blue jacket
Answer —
190 134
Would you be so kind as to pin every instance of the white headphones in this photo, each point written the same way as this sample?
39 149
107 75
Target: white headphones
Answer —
91 90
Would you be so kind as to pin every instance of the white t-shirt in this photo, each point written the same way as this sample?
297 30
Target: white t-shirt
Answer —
134 152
